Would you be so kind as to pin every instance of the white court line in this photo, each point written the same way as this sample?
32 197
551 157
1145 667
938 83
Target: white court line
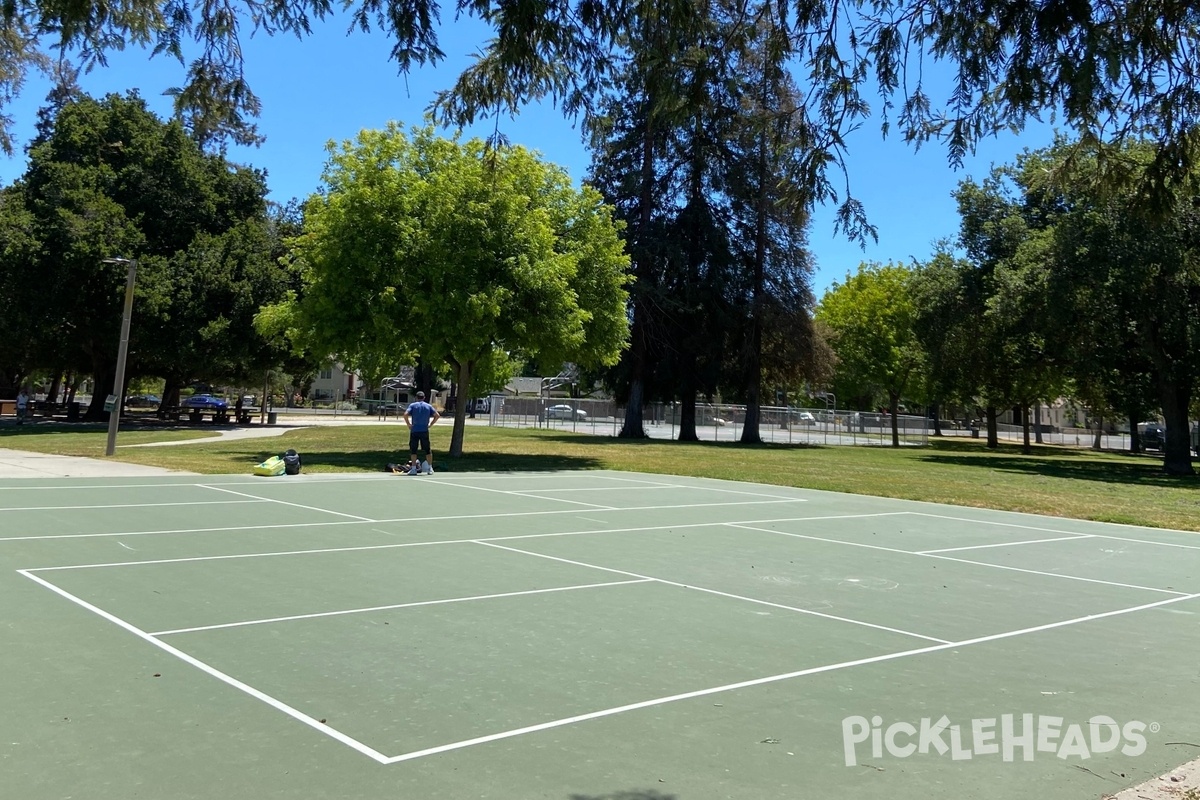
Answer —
433 518
285 503
393 607
1055 530
1060 575
181 530
308 479
950 558
519 494
136 505
711 488
714 591
612 488
394 545
658 701
1004 544
648 487
278 705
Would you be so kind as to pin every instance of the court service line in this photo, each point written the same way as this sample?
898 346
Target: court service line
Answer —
285 502
714 591
960 560
645 488
432 518
394 606
231 529
1004 544
278 705
648 487
136 505
519 494
394 545
658 701
1055 530
708 487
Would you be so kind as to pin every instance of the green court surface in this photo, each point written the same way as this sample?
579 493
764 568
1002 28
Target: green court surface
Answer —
579 636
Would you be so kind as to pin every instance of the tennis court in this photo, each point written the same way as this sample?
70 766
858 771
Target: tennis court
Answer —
587 635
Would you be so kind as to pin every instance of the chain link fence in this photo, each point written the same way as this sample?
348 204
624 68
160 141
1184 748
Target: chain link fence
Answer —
714 422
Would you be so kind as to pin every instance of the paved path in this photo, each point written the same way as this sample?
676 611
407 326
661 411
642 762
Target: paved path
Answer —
21 464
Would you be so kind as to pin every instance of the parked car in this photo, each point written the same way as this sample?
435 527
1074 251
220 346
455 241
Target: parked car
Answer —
205 401
565 412
143 401
1153 435
805 418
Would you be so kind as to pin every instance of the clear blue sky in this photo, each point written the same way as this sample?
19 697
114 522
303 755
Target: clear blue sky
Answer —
332 85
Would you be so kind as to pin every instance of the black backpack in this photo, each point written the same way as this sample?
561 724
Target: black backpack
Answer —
291 462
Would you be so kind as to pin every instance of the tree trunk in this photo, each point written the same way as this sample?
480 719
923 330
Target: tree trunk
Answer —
1098 442
170 397
55 387
687 408
936 408
894 406
1025 448
993 436
103 382
1135 433
1177 449
750 428
460 409
633 427
1037 422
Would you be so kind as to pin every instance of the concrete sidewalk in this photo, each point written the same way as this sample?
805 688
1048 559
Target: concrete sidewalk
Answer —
22 464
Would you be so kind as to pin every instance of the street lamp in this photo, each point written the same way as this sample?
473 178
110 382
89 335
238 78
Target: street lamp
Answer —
114 415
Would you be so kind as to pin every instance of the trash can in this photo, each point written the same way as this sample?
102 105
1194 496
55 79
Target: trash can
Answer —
974 430
73 411
272 417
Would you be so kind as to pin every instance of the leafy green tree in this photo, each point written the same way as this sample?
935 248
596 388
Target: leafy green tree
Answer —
872 317
1083 282
21 292
1140 270
633 124
1111 70
421 245
106 179
771 182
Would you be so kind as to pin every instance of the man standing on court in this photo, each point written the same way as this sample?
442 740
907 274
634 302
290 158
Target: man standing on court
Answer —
420 417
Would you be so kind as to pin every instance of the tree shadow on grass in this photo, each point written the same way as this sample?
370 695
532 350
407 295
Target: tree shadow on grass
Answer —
38 428
377 460
1055 462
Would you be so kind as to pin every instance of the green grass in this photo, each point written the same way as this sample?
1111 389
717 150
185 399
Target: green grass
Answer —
1055 481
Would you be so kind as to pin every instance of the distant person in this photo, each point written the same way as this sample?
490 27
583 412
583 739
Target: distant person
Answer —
22 406
420 417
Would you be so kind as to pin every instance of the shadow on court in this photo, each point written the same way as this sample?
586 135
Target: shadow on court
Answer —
1055 462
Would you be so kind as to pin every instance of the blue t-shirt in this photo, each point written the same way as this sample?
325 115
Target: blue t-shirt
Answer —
420 413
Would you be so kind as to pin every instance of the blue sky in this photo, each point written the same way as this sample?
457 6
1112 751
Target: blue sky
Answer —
331 85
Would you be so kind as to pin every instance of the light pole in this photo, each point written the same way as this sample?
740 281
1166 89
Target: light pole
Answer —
114 416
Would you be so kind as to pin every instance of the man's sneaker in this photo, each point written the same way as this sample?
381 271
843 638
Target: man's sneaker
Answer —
415 469
427 468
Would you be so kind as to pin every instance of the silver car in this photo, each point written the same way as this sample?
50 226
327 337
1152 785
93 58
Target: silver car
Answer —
565 412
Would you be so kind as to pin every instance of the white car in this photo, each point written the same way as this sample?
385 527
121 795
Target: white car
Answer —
565 412
805 418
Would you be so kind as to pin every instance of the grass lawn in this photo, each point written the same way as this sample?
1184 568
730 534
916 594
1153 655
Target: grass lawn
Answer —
1055 481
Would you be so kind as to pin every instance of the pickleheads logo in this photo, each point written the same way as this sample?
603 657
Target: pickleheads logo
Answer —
1005 737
